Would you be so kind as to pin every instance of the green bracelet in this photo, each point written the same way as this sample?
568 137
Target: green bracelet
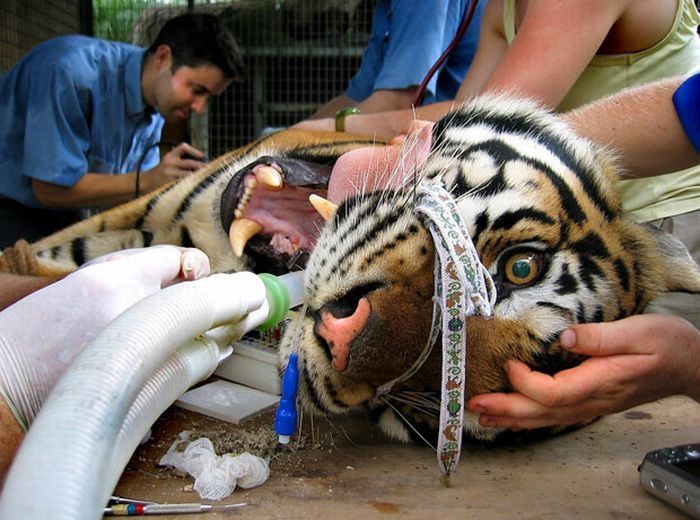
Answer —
340 116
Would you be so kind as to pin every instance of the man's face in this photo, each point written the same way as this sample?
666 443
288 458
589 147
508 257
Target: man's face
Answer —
187 89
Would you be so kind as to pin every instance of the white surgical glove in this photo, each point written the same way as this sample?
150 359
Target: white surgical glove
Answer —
42 333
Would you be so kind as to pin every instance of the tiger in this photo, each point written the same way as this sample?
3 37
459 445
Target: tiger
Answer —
198 211
540 206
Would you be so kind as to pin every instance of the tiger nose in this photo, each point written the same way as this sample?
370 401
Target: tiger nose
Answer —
340 332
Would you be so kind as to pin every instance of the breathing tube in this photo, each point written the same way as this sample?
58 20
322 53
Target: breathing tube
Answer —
99 410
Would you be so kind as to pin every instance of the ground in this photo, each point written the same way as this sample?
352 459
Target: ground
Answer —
348 468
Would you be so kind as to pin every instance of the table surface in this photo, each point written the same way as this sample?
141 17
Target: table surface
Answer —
347 467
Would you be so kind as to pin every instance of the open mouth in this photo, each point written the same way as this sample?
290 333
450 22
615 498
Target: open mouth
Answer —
266 212
274 208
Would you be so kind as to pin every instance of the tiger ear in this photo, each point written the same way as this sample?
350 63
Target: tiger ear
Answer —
324 206
680 273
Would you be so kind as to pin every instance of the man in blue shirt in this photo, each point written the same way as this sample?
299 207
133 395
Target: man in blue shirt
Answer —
407 39
80 116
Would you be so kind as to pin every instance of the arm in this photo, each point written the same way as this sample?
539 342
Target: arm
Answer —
379 101
632 361
520 68
643 125
381 124
329 109
491 48
391 70
554 43
96 189
15 287
41 334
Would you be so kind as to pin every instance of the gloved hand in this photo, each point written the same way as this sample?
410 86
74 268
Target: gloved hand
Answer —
42 333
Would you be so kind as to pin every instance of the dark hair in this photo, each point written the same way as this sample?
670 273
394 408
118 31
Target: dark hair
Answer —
201 39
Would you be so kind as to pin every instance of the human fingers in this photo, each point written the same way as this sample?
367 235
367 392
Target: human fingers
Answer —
162 264
188 149
398 138
168 264
182 159
564 388
516 411
194 264
633 335
594 377
187 166
417 126
547 419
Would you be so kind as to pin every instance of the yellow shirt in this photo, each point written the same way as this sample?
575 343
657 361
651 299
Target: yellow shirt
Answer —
677 54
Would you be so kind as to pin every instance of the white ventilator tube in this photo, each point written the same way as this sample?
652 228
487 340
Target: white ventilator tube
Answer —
93 419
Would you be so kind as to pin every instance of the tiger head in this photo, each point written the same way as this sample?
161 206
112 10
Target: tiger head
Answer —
540 206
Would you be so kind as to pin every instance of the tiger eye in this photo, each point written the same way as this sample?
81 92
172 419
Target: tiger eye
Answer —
522 268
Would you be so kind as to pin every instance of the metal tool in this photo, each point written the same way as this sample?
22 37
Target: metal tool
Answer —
138 509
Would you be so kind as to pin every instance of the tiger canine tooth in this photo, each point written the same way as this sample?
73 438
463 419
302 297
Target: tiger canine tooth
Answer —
241 230
268 177
324 206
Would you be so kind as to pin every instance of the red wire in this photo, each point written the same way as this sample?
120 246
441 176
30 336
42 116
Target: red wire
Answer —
466 20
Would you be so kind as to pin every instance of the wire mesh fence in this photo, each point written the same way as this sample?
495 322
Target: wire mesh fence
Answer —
25 23
299 54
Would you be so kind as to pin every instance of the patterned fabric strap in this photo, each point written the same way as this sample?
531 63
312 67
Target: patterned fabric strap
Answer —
463 287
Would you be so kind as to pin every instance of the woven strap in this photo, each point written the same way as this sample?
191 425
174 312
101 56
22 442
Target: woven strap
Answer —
463 288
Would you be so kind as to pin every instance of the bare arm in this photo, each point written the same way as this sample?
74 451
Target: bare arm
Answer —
330 108
378 101
15 287
520 68
553 45
642 125
492 46
97 189
632 361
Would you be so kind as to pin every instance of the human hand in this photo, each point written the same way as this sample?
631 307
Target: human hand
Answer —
633 361
42 333
380 167
179 162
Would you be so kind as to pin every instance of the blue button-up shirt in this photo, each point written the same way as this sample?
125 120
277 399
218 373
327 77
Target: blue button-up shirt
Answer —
73 105
407 39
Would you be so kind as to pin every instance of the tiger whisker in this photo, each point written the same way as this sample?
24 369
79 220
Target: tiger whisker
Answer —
427 398
429 408
407 422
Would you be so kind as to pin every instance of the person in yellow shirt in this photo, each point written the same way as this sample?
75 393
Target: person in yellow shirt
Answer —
565 54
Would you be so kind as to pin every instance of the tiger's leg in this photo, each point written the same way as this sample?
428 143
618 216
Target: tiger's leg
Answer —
67 257
124 216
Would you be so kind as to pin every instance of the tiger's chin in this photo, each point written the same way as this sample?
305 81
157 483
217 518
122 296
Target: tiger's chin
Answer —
399 430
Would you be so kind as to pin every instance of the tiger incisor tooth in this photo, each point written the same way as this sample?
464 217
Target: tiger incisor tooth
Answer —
241 230
324 206
269 178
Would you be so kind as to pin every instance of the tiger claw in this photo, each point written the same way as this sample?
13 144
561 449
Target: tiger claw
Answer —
268 177
241 230
324 206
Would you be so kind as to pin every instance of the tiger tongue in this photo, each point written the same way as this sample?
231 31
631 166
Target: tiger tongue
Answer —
378 167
